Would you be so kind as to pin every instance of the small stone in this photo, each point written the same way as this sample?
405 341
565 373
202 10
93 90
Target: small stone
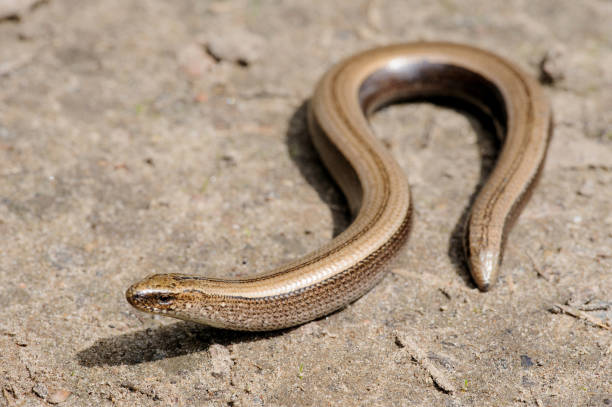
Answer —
40 390
15 8
552 67
526 382
58 396
526 361
238 46
587 189
193 60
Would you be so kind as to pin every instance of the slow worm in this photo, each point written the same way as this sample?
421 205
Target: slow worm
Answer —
376 188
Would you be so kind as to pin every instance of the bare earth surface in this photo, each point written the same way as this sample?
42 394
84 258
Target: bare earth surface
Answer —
158 136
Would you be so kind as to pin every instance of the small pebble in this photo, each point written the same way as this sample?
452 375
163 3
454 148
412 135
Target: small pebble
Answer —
238 46
58 396
587 189
526 361
40 390
193 60
552 67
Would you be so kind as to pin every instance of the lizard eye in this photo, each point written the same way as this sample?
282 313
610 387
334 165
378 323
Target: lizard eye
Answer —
165 299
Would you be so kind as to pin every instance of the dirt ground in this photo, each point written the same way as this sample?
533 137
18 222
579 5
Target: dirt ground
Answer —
157 136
